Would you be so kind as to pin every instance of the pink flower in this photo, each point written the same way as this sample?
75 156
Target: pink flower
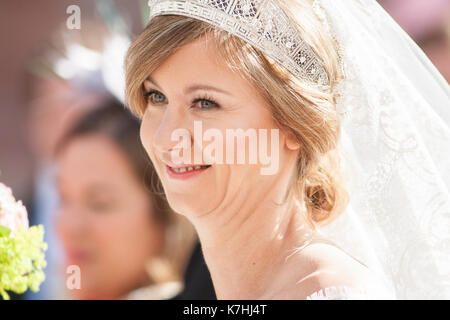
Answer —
13 214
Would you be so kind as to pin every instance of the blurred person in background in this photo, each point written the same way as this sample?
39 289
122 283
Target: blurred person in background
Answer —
54 105
64 81
113 222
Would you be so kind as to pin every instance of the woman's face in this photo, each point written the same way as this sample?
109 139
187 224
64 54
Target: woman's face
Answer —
194 88
105 218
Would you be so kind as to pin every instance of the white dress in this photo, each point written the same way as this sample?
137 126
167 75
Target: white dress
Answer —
351 293
375 290
163 291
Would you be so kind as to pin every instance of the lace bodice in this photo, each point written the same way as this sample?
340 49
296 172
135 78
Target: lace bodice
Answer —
351 293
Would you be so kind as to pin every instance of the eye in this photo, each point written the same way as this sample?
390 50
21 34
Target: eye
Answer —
99 205
154 97
206 103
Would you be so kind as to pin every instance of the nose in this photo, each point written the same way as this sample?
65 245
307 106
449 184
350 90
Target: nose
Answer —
69 222
172 132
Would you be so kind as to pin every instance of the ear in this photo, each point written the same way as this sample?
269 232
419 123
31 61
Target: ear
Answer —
291 141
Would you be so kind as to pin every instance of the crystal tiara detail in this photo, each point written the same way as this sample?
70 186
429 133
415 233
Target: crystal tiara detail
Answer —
262 23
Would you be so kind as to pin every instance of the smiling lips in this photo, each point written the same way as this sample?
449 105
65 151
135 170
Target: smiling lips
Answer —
185 172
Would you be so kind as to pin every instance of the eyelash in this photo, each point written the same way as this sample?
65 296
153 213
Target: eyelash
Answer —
204 97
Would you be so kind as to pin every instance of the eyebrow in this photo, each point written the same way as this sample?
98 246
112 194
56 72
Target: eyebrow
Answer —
194 87
93 188
99 190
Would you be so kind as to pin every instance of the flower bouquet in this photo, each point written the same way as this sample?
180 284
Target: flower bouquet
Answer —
21 247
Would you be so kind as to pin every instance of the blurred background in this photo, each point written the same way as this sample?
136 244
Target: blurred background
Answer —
51 75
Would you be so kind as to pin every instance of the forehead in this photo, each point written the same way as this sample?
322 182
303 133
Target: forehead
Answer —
92 158
200 61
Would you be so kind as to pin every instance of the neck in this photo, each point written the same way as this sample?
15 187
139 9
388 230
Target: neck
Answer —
246 244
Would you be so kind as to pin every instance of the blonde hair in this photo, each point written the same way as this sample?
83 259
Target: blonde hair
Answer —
306 112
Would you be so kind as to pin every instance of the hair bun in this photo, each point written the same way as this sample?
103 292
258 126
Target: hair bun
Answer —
324 195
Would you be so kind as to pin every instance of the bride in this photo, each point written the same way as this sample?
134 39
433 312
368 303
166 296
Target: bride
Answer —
338 218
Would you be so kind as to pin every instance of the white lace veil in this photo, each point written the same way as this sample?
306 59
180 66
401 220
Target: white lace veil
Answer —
396 142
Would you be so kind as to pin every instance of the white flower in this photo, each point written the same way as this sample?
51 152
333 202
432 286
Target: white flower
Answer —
13 214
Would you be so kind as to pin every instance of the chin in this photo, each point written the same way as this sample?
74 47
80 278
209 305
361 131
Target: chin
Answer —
190 205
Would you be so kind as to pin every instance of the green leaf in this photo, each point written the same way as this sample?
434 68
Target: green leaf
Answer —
4 231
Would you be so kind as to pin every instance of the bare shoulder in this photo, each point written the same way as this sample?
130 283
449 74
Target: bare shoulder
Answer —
320 266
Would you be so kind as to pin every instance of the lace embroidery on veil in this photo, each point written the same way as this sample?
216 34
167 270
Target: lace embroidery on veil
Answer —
395 141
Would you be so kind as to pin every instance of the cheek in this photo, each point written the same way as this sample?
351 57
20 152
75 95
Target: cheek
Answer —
147 132
69 225
106 232
125 232
250 144
58 225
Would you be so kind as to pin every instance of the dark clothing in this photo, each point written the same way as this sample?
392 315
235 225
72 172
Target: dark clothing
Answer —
197 280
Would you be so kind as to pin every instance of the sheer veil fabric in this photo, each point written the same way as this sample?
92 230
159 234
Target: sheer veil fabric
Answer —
395 143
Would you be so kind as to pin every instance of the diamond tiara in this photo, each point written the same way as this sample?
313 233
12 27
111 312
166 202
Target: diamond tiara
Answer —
262 23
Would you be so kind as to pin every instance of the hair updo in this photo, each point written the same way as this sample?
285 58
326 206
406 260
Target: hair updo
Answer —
308 113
